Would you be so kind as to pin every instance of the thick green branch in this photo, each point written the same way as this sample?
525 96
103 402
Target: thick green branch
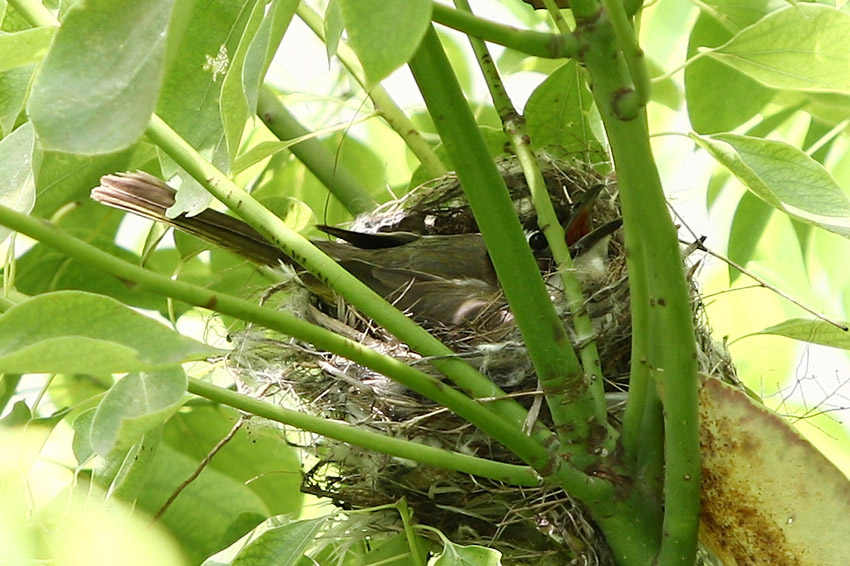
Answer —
550 46
632 54
542 330
514 127
655 266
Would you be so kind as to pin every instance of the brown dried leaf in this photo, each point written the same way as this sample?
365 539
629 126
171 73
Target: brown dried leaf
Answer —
769 496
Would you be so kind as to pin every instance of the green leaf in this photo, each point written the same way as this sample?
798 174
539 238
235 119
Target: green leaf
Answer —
557 112
283 545
24 47
804 47
191 100
748 224
242 78
132 476
14 87
385 35
257 456
77 332
42 269
253 476
98 84
333 26
134 405
276 540
293 212
17 184
20 415
784 177
735 15
664 90
719 97
457 555
812 331
81 445
62 178
210 513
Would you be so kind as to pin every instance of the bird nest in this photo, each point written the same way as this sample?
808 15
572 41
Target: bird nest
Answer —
540 525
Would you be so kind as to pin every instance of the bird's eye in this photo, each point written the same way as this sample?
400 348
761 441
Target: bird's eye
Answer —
537 241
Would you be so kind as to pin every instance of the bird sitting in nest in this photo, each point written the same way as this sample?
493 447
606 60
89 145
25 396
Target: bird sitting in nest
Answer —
441 281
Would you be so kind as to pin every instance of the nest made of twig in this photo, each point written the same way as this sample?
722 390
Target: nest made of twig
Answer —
528 525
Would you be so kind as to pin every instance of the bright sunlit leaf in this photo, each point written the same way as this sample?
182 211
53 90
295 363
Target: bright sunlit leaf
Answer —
803 47
385 35
23 47
812 331
784 177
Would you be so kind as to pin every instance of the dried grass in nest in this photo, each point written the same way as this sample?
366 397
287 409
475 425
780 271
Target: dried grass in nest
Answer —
541 525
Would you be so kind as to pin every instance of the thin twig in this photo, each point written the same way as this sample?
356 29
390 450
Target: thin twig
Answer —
699 244
203 464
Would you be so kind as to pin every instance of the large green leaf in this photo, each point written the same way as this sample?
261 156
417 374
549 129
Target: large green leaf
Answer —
17 184
98 84
557 113
61 178
77 332
276 540
784 177
253 476
803 47
43 269
14 87
245 74
720 98
284 545
735 15
385 34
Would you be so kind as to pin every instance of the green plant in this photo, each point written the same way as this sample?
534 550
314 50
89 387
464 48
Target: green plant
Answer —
173 88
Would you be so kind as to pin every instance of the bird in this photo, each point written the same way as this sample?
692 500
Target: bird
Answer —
445 281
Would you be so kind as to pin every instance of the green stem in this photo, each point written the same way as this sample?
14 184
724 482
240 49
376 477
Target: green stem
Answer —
476 413
519 475
542 330
550 46
633 56
384 104
633 436
331 273
35 13
557 17
416 553
315 156
654 257
515 128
